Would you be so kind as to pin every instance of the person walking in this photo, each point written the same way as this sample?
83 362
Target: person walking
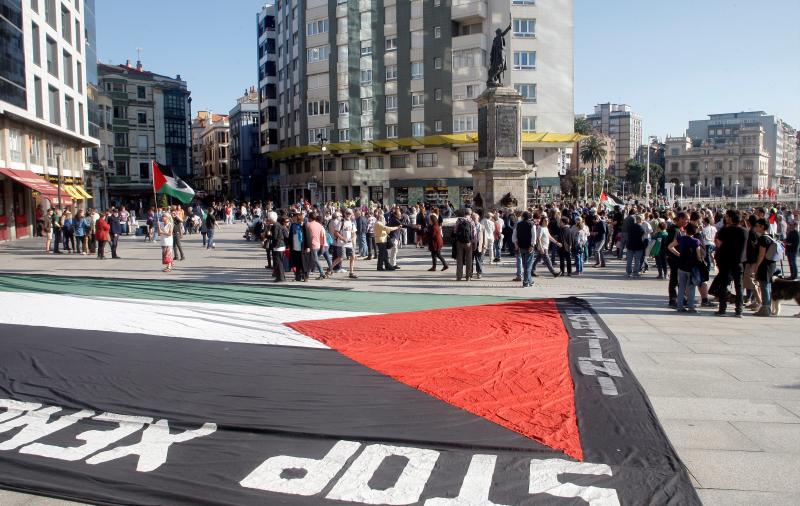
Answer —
542 248
463 233
101 235
115 231
165 231
177 234
381 240
478 243
566 249
435 242
211 228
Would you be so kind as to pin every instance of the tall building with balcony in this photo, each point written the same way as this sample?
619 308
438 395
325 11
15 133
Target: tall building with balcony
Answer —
213 137
43 111
266 33
150 119
624 125
779 141
704 166
390 87
246 163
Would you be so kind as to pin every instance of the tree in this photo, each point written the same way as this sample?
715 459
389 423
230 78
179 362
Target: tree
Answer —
592 151
582 126
636 174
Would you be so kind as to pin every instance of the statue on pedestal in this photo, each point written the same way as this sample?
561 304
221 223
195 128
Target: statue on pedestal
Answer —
497 58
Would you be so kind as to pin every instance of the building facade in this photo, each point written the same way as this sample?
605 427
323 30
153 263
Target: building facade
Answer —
246 163
779 141
150 120
389 88
625 126
43 111
266 32
738 166
213 134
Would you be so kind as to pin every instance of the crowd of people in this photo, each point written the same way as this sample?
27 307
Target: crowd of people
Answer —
685 246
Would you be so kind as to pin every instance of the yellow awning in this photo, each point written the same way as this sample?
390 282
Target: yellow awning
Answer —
82 191
72 192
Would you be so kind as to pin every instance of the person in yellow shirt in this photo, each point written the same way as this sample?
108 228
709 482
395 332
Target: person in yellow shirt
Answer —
381 240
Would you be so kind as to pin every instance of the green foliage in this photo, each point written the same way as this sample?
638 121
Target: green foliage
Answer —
162 201
582 126
636 175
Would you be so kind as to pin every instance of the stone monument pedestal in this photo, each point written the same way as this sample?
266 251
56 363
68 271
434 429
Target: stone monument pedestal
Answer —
500 169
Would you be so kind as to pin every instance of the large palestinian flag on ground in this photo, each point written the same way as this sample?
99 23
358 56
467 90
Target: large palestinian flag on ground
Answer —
164 181
134 392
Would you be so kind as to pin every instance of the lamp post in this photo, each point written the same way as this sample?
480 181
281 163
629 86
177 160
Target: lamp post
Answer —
681 193
723 191
648 188
736 202
323 149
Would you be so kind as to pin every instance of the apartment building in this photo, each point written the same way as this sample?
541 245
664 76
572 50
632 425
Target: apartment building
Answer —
212 132
246 163
389 89
266 31
779 141
43 111
625 126
150 119
706 167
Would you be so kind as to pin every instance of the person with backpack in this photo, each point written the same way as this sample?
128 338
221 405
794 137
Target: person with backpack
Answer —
770 253
463 233
688 254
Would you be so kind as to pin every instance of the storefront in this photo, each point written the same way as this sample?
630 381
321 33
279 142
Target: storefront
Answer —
21 193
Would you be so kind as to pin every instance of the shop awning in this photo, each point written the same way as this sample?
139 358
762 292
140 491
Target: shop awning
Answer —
75 194
37 183
82 191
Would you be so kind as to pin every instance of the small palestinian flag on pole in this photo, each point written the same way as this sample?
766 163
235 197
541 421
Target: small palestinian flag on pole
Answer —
164 181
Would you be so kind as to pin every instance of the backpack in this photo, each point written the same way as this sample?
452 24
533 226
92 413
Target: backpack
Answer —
656 249
775 251
464 231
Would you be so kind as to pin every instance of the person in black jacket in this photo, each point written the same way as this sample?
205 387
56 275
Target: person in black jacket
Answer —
792 244
115 231
674 231
636 244
731 243
278 239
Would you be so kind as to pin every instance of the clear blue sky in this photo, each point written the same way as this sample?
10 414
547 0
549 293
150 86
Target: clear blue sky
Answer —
672 61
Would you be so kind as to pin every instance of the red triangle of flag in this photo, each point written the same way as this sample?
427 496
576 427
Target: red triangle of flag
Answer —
507 363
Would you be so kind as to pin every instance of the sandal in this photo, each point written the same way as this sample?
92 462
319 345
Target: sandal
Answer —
353 276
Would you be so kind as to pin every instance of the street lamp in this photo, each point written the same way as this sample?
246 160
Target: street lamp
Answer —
681 193
736 202
322 140
648 188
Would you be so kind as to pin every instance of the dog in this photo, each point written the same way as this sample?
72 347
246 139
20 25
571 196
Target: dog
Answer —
784 289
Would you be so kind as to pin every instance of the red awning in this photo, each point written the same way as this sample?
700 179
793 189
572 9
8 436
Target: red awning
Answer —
37 183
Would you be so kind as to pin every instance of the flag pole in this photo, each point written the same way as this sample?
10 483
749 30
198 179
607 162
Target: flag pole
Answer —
153 177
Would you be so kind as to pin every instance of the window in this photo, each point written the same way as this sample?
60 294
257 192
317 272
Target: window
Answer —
437 32
319 53
141 117
315 134
366 76
120 112
80 118
317 26
50 13
527 90
465 123
524 28
391 72
68 69
318 107
144 170
37 43
391 43
437 94
79 76
418 129
15 144
34 153
141 92
524 60
399 161
391 102
467 158
367 105
523 2
366 47
344 108
350 163
374 162
674 151
122 167
35 6
37 91
391 131
427 159
417 70
66 24
437 125
344 135
437 63
418 99
529 123
55 105
78 44
366 133
528 156
675 166
52 57
121 139
142 143
468 58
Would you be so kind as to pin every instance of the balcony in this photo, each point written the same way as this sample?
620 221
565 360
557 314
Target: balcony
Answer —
475 40
468 10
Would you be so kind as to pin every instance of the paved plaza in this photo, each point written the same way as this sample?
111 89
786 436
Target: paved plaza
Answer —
727 391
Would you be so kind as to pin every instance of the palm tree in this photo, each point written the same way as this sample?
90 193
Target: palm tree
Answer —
592 151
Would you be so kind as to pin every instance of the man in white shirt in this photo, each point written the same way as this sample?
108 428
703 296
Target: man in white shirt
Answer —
542 247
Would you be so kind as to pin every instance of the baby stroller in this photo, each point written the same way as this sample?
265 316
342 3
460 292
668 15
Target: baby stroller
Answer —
254 230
